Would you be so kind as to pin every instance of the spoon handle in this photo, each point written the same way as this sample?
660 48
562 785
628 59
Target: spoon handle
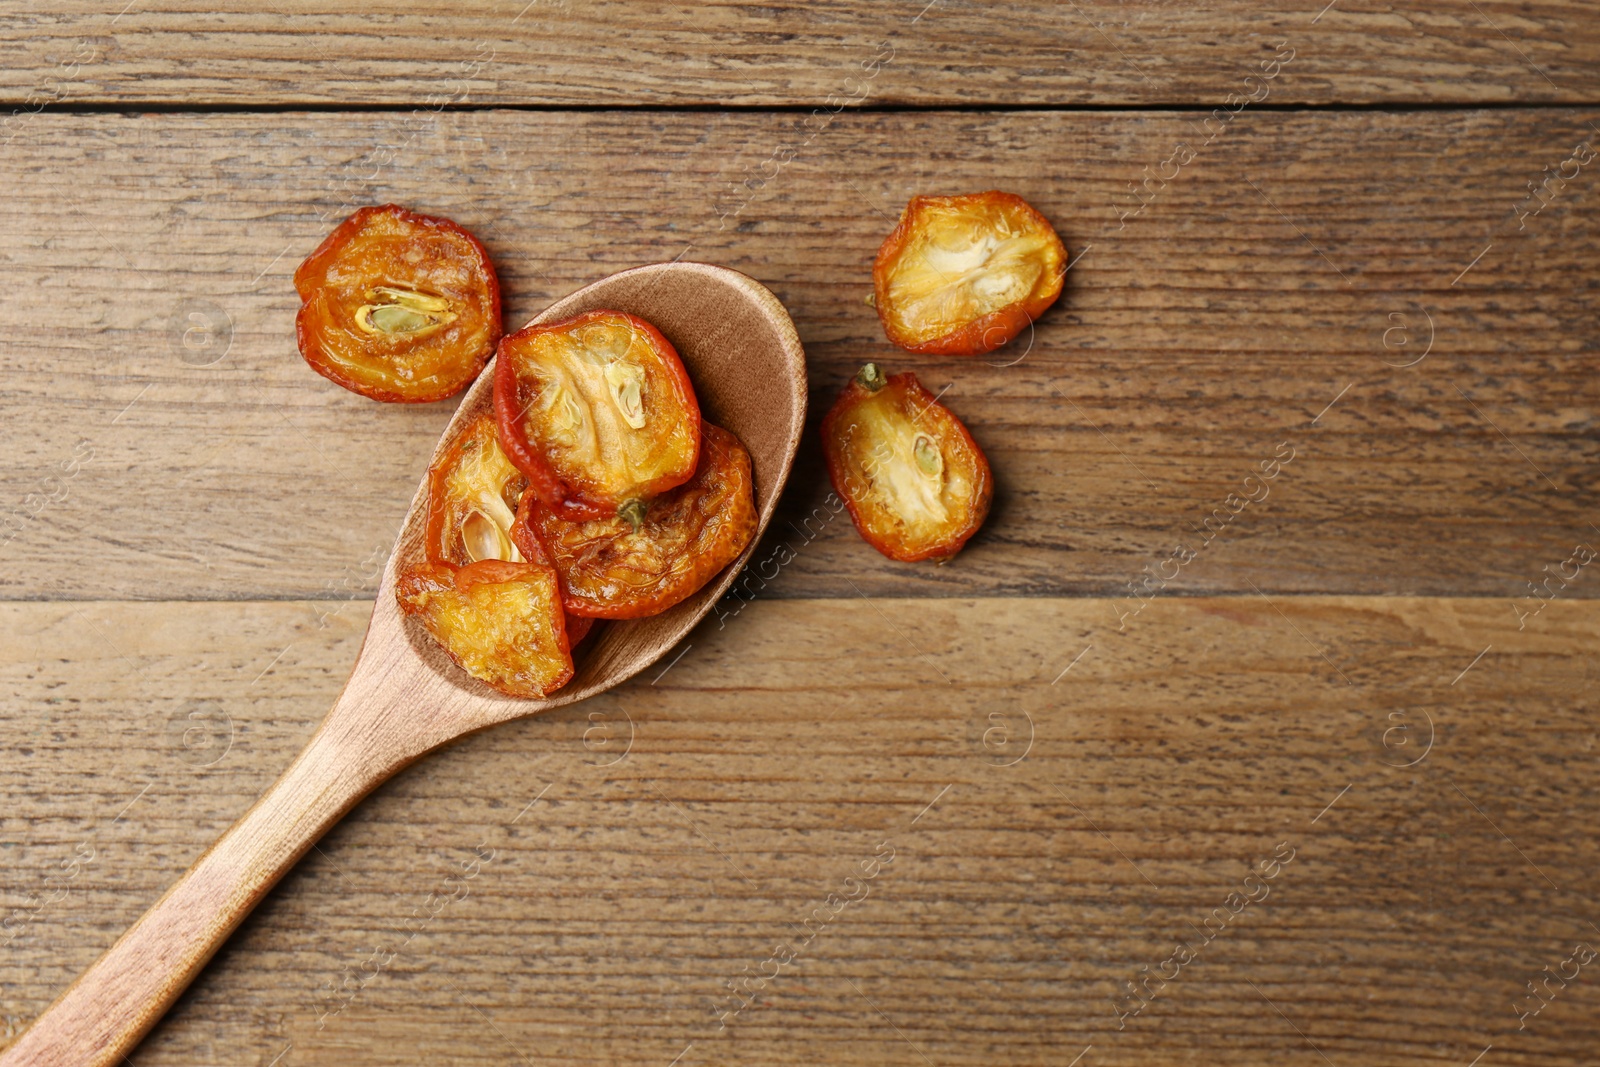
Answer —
109 1008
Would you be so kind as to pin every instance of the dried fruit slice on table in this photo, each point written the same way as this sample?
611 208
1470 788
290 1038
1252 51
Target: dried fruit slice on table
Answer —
397 306
962 275
597 410
611 570
501 622
916 484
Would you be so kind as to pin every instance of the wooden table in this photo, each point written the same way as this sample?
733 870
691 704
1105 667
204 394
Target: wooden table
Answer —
1339 746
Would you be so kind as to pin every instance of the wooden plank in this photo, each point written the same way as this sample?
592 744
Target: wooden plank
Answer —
1255 307
642 850
570 52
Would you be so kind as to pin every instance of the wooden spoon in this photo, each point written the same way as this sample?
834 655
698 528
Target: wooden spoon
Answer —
406 698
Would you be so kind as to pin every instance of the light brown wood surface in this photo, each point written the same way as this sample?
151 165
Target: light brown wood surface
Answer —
928 52
1191 343
406 698
777 753
1353 267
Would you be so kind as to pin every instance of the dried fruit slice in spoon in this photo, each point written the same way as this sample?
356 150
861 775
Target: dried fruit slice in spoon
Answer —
611 570
962 275
398 306
598 412
473 493
501 622
916 483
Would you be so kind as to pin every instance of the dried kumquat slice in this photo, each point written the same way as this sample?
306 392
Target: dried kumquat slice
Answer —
473 493
530 547
916 484
611 570
397 306
501 622
962 275
597 410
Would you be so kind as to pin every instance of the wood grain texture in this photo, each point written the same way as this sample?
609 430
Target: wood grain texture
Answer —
939 52
1266 297
406 698
1075 741
577 888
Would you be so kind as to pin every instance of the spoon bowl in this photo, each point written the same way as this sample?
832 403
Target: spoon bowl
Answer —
744 358
406 697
